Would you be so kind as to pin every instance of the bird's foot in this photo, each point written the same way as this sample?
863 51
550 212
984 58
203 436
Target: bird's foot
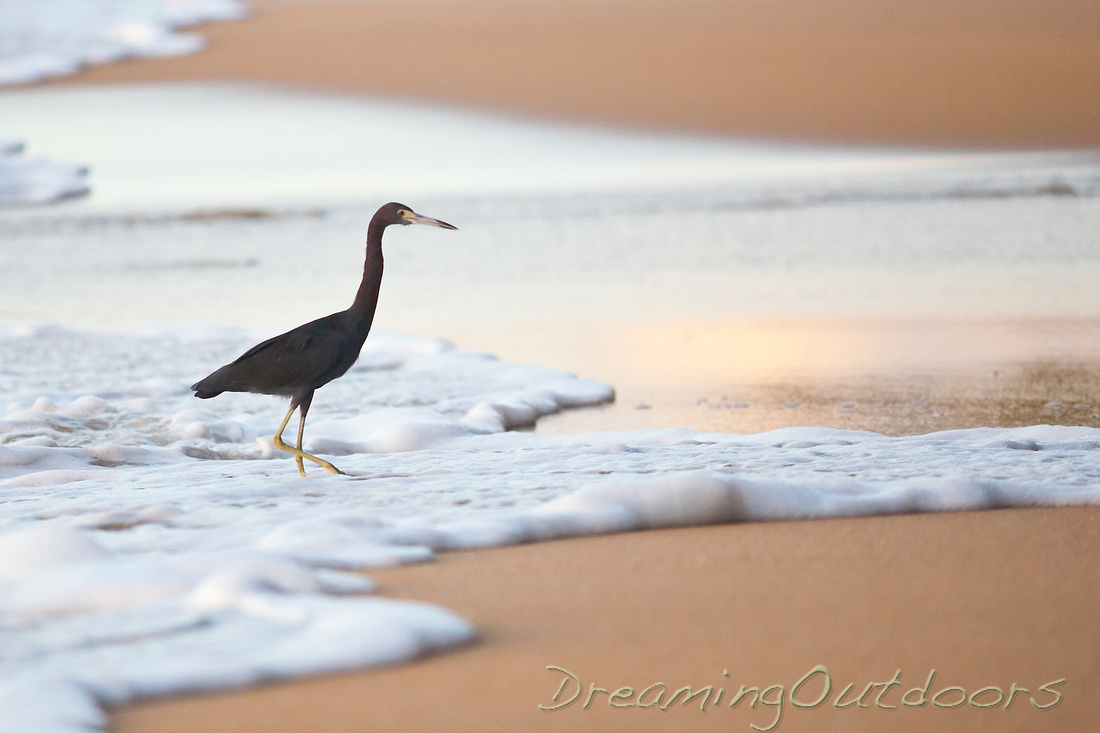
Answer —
329 468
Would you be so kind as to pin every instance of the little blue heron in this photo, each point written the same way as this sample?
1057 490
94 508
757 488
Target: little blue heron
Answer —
298 362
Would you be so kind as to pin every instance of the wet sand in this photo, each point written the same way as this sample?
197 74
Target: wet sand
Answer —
986 599
1016 73
891 377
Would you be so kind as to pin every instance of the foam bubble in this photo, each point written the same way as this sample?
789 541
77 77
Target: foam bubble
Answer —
27 180
37 550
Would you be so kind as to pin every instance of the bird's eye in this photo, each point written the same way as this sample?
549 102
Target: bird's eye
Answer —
404 213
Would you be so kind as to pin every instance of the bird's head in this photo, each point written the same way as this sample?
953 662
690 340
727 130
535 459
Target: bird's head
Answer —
395 213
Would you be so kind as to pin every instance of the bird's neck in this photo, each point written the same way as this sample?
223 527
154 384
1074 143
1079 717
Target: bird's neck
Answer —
366 300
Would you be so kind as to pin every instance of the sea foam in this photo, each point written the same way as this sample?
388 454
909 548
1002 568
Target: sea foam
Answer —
31 180
49 38
57 37
151 543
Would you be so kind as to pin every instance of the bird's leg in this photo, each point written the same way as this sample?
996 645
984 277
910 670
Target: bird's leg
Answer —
303 407
301 432
299 454
329 468
278 440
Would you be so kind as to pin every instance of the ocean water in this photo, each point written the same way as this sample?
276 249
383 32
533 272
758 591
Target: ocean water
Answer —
49 38
179 147
194 216
152 543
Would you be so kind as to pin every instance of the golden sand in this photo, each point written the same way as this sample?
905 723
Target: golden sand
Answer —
1013 73
986 599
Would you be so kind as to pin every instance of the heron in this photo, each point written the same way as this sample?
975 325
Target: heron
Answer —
297 363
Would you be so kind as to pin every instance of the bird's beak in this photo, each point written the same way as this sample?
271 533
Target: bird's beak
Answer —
418 219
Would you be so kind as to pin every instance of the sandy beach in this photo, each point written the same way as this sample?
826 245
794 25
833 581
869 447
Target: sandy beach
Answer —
1018 74
992 601
985 599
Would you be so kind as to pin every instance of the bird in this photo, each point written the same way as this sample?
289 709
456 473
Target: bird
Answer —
297 363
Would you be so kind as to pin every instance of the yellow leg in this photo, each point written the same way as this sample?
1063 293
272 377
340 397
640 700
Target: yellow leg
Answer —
298 458
299 454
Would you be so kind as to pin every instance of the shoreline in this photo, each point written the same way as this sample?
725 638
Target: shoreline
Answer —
1022 75
765 601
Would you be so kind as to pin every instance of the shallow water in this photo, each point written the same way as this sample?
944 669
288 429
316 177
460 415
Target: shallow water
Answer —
194 216
182 146
49 38
896 378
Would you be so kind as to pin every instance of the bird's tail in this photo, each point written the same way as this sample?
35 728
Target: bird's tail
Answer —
205 394
211 386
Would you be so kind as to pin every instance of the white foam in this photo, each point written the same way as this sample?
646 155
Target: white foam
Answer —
41 550
49 38
28 180
160 544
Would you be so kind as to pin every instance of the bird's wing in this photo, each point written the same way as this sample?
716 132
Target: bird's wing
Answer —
290 361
